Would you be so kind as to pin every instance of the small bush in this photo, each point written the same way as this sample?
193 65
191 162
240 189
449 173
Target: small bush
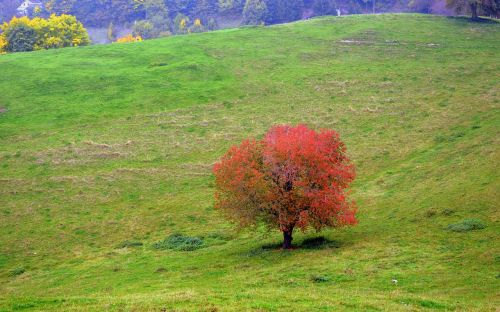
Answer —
129 38
179 242
320 279
20 38
129 244
17 271
467 225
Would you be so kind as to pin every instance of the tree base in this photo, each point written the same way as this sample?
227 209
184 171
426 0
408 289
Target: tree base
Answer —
287 239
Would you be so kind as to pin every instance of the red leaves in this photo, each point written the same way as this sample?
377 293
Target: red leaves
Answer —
293 177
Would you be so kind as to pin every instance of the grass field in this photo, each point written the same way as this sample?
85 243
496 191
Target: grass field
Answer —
106 147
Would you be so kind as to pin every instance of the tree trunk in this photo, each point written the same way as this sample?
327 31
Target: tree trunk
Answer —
287 239
473 10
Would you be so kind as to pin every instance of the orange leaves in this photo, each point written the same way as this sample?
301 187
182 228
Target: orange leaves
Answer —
293 177
129 38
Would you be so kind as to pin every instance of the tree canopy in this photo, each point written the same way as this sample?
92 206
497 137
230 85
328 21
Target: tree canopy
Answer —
294 177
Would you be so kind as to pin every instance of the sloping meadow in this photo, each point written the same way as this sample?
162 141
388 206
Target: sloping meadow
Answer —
106 191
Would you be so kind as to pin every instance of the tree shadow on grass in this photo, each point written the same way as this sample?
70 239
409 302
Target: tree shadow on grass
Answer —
319 242
479 20
264 249
314 243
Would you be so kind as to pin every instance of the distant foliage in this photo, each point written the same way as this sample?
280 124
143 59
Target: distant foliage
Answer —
157 18
424 6
294 177
197 27
325 6
231 6
144 29
129 38
476 7
99 13
205 10
157 13
25 34
111 32
283 11
212 24
181 24
255 12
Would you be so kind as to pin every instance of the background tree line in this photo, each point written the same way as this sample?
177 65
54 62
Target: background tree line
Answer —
155 18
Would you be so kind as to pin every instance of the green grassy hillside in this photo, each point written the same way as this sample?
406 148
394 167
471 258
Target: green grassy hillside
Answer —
107 144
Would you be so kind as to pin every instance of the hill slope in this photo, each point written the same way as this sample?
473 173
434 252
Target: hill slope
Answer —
107 144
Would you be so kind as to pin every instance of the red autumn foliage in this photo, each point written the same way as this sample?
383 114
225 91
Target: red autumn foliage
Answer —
294 177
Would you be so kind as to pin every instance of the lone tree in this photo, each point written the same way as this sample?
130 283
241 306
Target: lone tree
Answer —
476 7
294 177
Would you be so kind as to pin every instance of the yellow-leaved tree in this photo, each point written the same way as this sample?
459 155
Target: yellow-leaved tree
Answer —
25 34
60 31
3 44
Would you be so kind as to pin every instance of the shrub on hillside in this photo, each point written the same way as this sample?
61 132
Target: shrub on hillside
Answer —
25 34
129 38
320 279
17 271
467 225
20 38
59 31
179 242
